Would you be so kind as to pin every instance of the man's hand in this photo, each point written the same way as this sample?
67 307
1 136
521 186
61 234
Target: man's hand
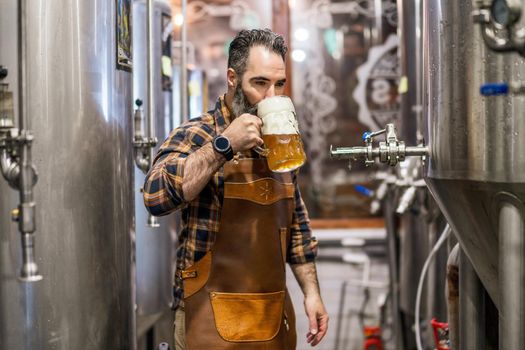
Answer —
306 275
244 132
318 319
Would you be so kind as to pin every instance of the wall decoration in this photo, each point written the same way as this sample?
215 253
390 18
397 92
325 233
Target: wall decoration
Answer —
377 92
123 33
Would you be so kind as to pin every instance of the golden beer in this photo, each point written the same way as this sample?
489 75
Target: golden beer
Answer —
284 152
280 132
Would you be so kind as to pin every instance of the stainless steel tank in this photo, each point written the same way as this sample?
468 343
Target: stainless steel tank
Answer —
410 54
154 245
476 142
79 107
476 169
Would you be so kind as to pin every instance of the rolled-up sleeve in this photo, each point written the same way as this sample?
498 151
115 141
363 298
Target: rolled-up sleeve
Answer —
303 246
163 185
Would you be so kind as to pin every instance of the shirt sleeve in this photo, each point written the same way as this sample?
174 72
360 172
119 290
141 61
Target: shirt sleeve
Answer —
163 184
303 247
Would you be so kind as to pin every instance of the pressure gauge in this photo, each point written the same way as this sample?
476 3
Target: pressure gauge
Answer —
505 12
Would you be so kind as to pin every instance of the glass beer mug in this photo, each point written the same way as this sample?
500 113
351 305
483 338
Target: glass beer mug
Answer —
283 146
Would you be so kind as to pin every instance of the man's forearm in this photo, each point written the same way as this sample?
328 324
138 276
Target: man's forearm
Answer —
198 170
306 276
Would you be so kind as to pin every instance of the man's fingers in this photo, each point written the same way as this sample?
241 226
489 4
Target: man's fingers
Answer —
309 337
317 339
317 320
313 324
323 327
259 141
323 323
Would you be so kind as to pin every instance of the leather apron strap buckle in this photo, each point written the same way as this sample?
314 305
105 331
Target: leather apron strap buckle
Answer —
182 275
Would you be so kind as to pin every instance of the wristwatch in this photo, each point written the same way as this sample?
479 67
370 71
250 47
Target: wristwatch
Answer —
222 145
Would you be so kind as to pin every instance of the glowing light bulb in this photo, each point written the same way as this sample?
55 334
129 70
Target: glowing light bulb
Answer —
179 19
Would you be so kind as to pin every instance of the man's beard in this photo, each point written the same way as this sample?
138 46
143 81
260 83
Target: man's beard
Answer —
240 104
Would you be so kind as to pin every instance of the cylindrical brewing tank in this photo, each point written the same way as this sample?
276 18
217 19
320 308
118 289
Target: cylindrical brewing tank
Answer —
424 218
79 107
477 143
154 245
410 54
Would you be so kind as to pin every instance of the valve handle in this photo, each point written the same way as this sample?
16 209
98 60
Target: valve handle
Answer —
366 135
364 190
494 89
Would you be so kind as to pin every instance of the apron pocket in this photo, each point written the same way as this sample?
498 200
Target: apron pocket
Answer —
247 317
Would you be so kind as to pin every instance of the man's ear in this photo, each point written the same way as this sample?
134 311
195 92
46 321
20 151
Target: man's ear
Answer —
232 78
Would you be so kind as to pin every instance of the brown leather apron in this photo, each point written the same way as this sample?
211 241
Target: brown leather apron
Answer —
235 296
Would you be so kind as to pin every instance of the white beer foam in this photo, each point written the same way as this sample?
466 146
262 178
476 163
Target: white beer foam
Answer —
279 123
278 116
274 104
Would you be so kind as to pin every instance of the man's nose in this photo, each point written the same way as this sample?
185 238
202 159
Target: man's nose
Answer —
270 92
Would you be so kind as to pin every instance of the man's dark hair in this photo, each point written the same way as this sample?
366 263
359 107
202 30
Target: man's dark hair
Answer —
246 39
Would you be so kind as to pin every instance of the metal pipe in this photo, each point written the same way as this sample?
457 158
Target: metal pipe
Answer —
350 152
145 146
442 239
340 317
150 117
494 42
10 169
379 195
26 220
393 267
22 64
512 277
417 151
378 14
471 307
407 198
418 108
359 152
138 119
452 292
141 161
183 64
513 39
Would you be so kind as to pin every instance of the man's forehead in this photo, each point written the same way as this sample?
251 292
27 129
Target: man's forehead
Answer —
261 60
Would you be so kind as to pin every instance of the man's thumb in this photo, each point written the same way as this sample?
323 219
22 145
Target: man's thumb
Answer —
313 324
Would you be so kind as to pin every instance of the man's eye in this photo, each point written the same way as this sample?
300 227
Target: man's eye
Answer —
260 83
280 84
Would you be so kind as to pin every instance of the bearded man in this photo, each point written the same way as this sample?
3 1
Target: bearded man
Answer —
230 285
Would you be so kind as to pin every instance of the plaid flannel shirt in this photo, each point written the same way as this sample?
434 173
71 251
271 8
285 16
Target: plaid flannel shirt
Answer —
201 217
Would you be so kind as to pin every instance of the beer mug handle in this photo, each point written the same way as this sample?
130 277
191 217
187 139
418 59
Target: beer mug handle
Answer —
262 151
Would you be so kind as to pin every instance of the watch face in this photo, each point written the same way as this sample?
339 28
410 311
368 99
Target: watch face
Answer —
222 143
